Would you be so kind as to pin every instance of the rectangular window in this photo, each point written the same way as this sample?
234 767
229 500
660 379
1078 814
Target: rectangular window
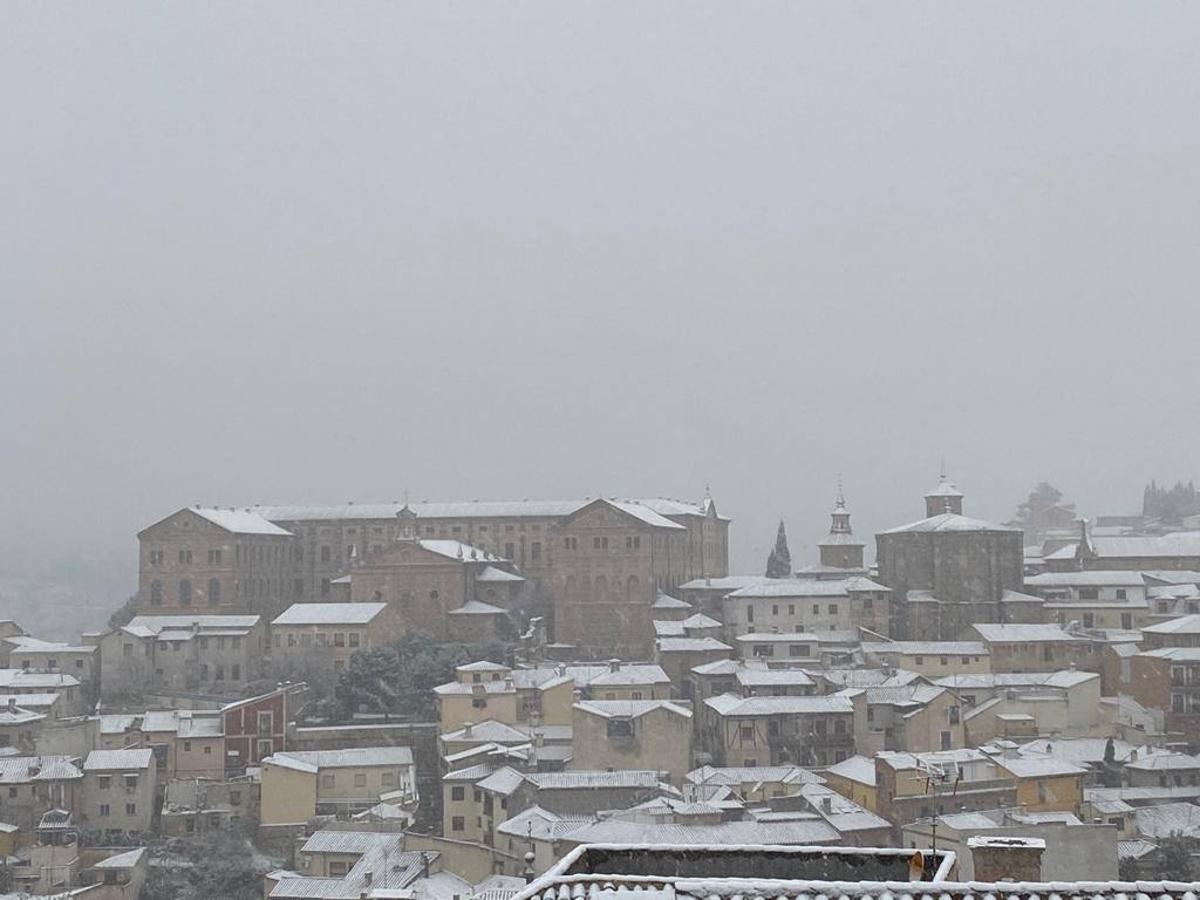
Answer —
103 782
104 810
131 809
458 793
266 722
328 781
354 639
535 550
456 823
339 639
360 779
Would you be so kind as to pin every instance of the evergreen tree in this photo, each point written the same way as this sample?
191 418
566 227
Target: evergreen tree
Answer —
779 563
1176 858
1043 510
371 681
125 614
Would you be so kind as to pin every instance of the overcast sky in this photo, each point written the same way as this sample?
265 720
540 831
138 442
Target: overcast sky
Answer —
318 252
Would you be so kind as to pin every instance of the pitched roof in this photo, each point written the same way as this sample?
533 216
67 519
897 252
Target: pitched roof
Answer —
114 760
238 521
733 705
630 709
1183 625
1024 634
499 576
577 779
352 756
690 645
329 614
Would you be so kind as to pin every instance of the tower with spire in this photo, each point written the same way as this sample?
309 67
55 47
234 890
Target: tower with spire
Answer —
945 498
841 549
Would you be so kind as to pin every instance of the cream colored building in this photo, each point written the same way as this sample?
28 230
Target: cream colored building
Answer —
933 659
328 634
118 791
633 734
331 782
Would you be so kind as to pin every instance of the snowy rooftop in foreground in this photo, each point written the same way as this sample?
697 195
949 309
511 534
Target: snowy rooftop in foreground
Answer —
763 872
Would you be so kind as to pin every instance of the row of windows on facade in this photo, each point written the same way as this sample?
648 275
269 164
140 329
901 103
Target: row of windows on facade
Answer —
791 609
818 726
254 553
234 643
321 639
386 779
632 542
51 663
185 593
235 672
105 810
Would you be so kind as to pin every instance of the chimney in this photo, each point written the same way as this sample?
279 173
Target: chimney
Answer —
561 669
12 704
466 729
827 805
614 665
1002 858
424 864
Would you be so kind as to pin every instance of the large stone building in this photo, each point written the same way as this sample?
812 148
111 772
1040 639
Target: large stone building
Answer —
214 561
576 558
947 571
1179 550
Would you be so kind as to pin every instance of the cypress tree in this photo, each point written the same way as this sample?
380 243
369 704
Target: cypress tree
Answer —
779 563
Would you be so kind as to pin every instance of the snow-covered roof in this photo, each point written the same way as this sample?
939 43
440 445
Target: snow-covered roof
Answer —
586 779
504 780
736 776
329 614
1023 634
949 522
1088 578
1029 767
860 769
26 678
925 648
690 645
488 731
764 677
115 760
807 587
127 860
1183 625
154 625
492 574
666 601
734 705
630 709
351 756
457 550
724 583
239 521
476 608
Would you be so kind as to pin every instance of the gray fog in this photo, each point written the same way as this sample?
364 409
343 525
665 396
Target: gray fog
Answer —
289 252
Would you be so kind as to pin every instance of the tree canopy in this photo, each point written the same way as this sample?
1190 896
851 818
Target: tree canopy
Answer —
779 563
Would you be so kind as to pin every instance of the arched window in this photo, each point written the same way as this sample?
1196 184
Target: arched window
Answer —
433 595
601 590
185 592
631 588
156 593
214 591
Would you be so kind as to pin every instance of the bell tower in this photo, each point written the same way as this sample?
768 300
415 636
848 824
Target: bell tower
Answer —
841 549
